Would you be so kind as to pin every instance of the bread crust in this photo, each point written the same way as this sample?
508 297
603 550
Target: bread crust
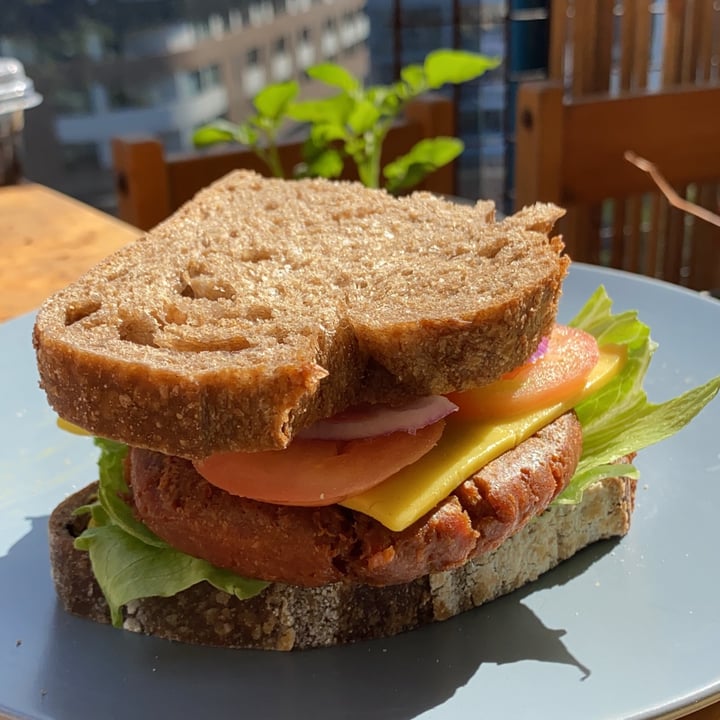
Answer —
263 305
286 617
319 545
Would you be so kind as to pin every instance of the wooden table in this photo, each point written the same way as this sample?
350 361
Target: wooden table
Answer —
48 240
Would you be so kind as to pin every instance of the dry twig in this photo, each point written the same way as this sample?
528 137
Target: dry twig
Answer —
669 192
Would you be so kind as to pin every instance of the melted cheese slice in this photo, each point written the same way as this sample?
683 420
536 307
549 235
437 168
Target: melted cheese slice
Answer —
464 448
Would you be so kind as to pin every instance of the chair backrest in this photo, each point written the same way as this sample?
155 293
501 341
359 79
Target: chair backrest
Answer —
572 133
151 185
572 153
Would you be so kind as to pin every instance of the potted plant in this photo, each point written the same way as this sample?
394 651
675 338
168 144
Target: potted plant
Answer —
351 125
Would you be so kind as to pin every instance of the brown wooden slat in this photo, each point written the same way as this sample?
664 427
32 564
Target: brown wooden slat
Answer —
655 234
634 61
559 38
592 48
707 15
715 72
634 56
603 40
633 245
704 263
617 247
691 42
674 245
673 41
577 231
584 32
594 229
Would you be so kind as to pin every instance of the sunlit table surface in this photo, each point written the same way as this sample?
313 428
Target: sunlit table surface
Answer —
48 240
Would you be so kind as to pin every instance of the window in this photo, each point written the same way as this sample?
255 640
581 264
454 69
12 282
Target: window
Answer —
210 77
194 81
202 79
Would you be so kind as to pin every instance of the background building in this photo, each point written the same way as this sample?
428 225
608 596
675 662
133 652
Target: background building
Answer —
160 67
404 31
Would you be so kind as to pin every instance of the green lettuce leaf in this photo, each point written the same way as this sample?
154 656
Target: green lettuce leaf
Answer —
131 562
618 419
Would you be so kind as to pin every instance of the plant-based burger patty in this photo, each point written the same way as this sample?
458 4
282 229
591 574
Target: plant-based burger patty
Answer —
313 546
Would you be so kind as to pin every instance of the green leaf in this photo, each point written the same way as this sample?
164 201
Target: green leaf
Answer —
364 117
425 157
327 164
573 493
387 98
618 419
220 131
359 149
127 569
414 78
272 102
335 75
128 560
333 110
112 489
323 133
455 66
247 134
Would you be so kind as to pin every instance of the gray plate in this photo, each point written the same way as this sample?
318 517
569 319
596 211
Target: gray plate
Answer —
626 629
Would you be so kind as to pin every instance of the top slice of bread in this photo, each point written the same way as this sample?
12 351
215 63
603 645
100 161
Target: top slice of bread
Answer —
262 305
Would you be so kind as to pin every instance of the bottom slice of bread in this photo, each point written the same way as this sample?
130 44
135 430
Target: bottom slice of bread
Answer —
285 617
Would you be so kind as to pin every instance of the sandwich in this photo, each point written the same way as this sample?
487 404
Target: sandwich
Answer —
328 414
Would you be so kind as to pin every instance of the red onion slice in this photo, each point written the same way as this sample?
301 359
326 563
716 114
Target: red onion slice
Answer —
373 420
542 348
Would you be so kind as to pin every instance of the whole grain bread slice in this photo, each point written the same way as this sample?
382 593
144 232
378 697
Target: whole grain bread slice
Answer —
263 304
284 617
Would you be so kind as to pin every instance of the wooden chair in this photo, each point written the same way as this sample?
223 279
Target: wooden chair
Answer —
571 152
572 133
151 185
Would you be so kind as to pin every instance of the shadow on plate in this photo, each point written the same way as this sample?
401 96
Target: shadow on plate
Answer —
82 669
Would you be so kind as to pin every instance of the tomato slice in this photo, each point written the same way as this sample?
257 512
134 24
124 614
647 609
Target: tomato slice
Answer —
558 375
317 472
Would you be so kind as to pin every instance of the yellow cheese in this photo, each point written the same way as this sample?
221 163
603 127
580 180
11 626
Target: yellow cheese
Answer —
71 427
464 448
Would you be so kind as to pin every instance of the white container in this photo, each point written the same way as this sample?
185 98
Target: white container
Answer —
17 94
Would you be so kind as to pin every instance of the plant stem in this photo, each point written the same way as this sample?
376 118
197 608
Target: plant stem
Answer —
274 163
272 156
370 170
